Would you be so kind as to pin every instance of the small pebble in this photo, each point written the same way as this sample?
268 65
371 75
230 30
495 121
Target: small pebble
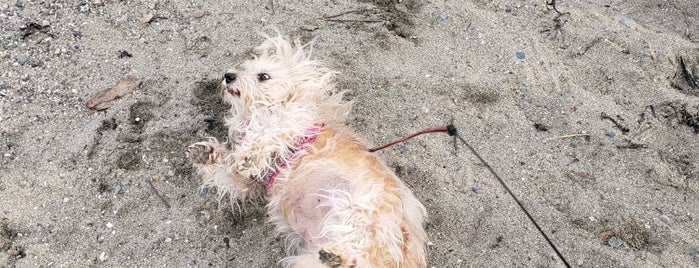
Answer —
476 189
402 148
209 118
19 4
309 28
198 13
520 54
103 256
665 218
357 40
615 242
170 173
124 54
610 134
626 21
110 225
443 16
116 189
45 23
146 18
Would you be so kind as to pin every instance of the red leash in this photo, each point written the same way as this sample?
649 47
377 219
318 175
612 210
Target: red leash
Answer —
448 128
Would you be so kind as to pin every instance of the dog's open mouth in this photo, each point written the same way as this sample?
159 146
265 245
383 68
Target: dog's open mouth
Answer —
230 88
233 91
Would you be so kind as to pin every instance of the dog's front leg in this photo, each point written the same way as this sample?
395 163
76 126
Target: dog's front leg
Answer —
213 161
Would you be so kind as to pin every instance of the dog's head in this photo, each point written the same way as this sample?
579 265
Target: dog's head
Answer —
280 75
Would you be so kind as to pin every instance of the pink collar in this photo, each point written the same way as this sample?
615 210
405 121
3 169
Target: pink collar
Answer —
309 137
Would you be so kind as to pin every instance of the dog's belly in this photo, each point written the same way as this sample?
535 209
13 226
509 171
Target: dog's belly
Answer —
317 209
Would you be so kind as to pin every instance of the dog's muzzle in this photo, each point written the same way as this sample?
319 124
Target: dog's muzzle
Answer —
229 80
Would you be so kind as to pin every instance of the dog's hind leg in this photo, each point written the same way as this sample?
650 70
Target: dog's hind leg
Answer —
320 259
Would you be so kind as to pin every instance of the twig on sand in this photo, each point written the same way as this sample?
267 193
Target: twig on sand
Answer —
333 18
605 234
552 4
344 13
155 191
632 145
616 123
650 49
559 23
367 21
586 135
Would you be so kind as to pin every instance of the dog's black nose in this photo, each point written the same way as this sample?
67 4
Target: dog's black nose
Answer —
229 77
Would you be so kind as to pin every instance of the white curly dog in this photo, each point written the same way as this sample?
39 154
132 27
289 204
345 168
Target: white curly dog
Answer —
337 204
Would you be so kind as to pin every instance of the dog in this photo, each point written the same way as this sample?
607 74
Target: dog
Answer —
337 204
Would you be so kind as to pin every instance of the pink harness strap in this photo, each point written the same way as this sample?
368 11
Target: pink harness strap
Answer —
307 140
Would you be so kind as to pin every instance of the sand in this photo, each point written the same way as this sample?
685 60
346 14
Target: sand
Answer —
590 116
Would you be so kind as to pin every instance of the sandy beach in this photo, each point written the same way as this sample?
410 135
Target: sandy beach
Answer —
589 112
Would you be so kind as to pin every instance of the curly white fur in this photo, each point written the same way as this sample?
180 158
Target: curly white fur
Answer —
337 204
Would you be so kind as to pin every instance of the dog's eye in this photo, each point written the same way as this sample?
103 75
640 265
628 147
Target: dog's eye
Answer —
263 77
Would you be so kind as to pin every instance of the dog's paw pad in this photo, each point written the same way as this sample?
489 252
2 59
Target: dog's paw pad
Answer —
330 259
200 153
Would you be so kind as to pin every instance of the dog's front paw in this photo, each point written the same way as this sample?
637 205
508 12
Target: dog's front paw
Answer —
201 153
